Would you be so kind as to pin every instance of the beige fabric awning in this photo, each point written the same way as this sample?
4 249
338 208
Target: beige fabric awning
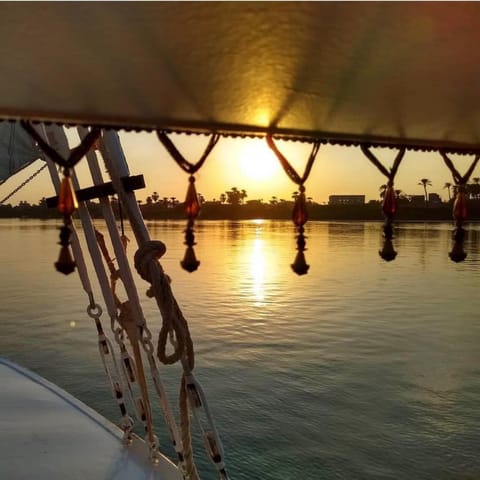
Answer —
388 73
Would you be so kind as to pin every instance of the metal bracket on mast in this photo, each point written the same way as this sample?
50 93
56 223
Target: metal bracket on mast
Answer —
135 182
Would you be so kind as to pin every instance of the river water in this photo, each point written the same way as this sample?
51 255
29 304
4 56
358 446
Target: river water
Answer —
359 370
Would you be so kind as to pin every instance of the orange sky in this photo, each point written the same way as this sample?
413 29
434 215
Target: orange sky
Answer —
248 164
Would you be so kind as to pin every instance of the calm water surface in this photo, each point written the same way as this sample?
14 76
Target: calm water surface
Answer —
359 370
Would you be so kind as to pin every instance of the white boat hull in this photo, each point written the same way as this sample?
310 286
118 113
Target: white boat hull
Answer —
47 434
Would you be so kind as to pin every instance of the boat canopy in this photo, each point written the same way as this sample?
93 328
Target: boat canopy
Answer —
382 73
17 150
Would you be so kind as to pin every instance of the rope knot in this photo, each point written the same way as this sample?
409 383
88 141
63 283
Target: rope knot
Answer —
145 255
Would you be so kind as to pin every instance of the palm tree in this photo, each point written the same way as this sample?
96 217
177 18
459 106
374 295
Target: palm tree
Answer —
475 188
448 186
155 197
243 195
424 182
233 196
383 189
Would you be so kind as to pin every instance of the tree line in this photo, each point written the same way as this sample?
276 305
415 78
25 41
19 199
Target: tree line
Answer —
233 204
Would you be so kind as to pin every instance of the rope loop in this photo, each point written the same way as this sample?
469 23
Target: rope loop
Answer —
146 254
184 164
76 154
178 348
460 180
289 170
390 174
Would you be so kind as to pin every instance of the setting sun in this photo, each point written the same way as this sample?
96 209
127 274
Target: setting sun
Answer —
257 161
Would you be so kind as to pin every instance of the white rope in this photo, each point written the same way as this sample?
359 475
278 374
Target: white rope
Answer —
211 438
119 169
132 295
95 254
106 350
162 396
93 309
118 248
146 262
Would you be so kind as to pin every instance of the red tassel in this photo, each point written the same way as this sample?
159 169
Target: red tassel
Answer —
67 200
460 207
192 205
389 202
299 214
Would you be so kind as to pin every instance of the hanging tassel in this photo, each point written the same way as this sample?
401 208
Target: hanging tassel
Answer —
299 214
300 217
389 202
300 266
65 263
192 209
389 208
67 199
192 205
67 204
190 262
460 214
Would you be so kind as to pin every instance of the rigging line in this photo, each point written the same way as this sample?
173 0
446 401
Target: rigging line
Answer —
120 213
147 256
109 217
130 311
30 178
126 313
150 269
118 246
11 148
94 311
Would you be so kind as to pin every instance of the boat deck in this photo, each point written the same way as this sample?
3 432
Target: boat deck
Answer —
48 434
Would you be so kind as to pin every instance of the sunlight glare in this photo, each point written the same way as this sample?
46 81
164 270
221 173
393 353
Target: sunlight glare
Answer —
258 162
257 269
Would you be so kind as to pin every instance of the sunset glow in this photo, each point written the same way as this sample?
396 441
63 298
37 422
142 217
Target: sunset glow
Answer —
257 161
249 164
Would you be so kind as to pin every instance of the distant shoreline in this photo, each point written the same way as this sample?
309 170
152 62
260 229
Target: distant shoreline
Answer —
283 211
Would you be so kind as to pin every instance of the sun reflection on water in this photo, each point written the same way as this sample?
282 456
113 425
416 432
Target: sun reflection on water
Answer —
257 269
